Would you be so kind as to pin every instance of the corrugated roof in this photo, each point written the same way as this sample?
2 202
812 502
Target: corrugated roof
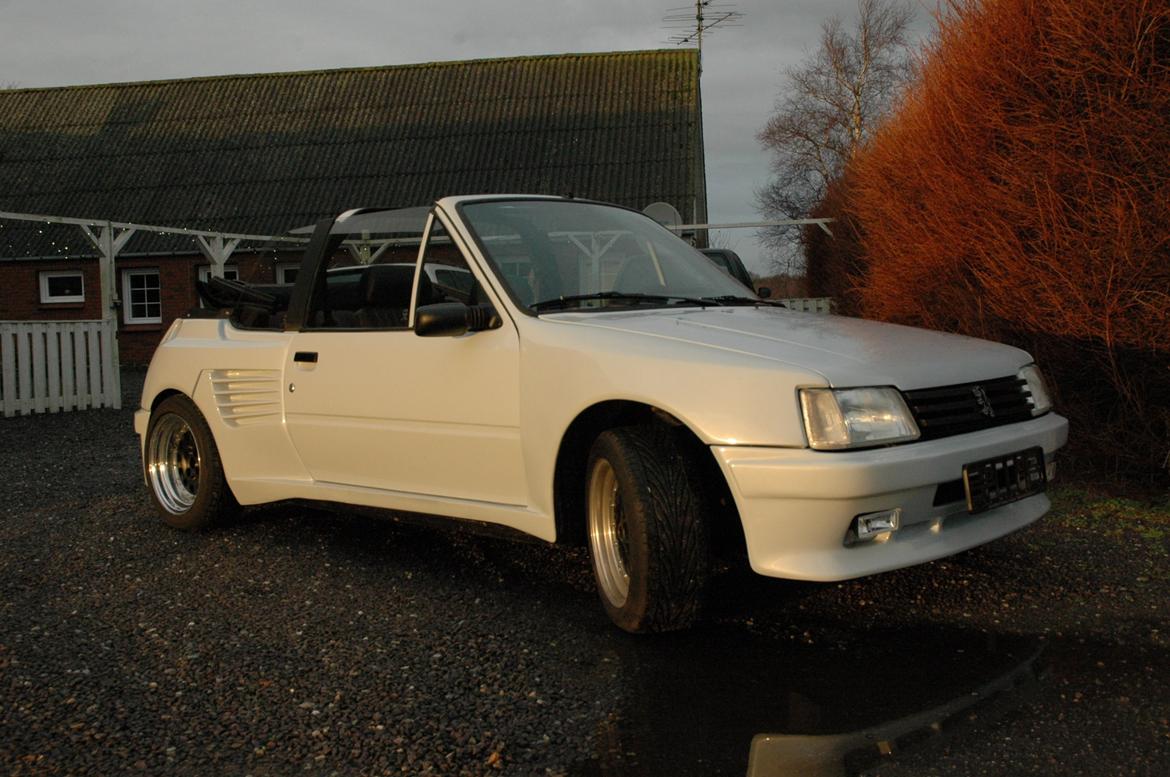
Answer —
268 152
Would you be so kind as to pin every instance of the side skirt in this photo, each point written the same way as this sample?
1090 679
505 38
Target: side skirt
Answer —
519 518
428 521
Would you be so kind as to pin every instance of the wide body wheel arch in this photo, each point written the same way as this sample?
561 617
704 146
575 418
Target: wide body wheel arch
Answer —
570 473
648 528
182 466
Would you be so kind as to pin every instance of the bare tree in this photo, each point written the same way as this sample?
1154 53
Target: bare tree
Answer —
831 104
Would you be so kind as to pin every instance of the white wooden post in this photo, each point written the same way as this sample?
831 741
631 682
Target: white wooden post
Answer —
8 397
77 336
68 382
37 367
24 370
217 250
53 365
109 243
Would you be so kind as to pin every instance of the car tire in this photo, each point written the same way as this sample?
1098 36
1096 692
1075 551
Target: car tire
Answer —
648 538
183 468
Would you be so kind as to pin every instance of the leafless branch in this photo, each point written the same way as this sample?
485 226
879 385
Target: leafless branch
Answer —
831 105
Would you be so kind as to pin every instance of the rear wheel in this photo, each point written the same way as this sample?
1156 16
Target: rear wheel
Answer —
648 539
183 470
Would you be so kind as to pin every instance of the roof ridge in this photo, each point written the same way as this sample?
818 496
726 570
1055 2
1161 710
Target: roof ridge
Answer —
362 69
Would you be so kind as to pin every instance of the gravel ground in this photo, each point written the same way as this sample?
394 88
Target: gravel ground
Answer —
301 641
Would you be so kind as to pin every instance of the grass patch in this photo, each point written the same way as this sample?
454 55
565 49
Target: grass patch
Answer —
1137 528
1077 504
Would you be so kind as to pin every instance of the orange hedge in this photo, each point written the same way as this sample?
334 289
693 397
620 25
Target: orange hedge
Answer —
1022 193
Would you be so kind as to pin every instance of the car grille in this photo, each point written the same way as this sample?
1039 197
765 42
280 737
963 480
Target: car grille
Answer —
969 407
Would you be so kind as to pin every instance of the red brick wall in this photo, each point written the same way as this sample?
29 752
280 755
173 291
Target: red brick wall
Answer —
177 275
20 293
136 342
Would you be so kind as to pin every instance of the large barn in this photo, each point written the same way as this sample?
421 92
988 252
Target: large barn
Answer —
261 154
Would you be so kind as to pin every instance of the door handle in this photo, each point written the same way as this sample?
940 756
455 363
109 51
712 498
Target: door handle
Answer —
306 357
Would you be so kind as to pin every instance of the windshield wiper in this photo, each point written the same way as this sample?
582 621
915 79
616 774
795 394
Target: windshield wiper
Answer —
731 299
632 296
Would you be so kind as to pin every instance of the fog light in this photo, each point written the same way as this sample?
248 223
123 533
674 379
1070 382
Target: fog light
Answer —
1050 470
874 527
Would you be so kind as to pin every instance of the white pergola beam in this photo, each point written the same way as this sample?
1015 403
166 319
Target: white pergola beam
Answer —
147 227
822 223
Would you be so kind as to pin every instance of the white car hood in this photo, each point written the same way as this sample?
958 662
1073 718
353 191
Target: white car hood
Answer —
846 351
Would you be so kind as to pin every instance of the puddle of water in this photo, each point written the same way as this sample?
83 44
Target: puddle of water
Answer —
724 702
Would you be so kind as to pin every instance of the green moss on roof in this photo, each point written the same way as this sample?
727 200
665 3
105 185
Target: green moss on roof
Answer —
662 54
266 152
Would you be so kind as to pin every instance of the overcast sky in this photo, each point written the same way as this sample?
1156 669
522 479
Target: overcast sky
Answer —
64 42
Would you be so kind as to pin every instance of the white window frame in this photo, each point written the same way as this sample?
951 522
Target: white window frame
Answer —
230 272
127 303
48 299
281 268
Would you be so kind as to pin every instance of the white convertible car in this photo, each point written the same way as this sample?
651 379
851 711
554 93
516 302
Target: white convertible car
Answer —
580 374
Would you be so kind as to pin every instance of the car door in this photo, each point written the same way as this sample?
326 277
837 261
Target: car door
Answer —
371 404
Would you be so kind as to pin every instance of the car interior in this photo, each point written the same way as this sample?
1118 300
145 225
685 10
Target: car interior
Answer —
376 296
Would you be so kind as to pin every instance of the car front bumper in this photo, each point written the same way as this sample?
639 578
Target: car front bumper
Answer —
796 505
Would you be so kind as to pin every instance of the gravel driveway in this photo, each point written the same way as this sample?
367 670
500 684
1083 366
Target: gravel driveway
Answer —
301 641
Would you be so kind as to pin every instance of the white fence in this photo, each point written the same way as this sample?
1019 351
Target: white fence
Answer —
49 366
809 304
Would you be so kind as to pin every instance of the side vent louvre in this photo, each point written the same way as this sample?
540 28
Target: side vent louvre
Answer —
246 396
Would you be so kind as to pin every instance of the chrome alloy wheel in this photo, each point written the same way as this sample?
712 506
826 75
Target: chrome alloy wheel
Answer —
608 536
173 462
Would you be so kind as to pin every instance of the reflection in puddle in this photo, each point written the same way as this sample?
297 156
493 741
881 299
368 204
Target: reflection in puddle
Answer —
724 702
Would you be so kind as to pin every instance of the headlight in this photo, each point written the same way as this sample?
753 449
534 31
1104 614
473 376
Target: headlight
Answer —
1041 401
856 417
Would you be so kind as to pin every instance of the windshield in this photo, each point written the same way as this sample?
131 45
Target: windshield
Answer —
572 255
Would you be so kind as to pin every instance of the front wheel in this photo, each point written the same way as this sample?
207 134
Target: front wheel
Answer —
648 539
183 470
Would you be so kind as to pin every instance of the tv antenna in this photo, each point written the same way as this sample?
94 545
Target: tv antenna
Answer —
687 25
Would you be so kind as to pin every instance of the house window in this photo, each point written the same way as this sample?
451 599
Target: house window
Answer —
286 272
231 272
62 286
141 297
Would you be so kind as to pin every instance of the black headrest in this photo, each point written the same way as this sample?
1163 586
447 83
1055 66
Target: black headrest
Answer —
388 286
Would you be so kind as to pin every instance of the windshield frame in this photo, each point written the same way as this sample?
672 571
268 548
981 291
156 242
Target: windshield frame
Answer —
523 307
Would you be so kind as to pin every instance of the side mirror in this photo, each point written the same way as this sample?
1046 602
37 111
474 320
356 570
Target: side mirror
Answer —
451 319
763 292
